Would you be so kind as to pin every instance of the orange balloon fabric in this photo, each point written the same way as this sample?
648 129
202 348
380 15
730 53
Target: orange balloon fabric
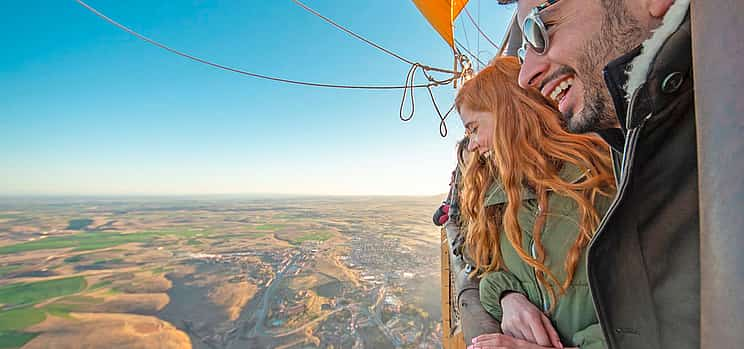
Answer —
441 15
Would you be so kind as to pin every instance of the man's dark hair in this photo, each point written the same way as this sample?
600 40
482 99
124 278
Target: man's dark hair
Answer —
506 2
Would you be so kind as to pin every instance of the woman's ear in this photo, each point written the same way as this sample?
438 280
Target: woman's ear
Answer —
658 8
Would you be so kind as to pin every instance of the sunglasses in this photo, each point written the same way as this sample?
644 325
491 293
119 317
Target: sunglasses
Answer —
534 31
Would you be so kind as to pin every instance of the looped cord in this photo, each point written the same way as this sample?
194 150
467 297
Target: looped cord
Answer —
409 82
442 118
433 82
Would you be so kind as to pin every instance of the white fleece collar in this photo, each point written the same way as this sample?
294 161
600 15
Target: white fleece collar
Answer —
641 64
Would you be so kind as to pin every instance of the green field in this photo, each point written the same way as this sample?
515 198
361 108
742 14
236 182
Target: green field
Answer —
161 269
101 284
34 292
18 319
64 306
93 240
81 300
15 339
241 235
108 261
74 259
8 269
314 236
23 295
269 227
60 310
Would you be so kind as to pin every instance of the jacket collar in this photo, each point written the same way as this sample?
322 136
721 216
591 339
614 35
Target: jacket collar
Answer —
614 137
496 194
648 78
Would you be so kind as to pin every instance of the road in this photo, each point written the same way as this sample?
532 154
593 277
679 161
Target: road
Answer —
375 313
260 315
311 323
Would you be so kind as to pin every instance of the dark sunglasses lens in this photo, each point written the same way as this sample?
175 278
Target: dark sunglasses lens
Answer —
534 35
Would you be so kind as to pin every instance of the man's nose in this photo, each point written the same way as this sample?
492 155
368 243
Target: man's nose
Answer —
533 69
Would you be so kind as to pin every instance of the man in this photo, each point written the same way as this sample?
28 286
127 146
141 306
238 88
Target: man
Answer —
623 69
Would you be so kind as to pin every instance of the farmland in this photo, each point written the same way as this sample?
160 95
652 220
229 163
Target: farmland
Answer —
216 272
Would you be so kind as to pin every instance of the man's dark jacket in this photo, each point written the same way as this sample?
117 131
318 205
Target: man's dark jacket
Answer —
643 263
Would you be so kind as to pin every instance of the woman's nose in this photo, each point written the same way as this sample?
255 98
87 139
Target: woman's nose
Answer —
472 146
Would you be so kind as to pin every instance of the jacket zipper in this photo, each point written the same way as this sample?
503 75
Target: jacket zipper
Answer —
534 273
598 306
631 137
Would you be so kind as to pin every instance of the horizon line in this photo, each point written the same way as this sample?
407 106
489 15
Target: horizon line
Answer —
196 195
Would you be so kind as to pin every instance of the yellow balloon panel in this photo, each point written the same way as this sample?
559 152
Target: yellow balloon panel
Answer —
441 14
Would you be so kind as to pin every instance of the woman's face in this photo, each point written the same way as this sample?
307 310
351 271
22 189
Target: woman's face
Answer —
479 126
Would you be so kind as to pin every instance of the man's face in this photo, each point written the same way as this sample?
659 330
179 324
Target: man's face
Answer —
584 36
479 126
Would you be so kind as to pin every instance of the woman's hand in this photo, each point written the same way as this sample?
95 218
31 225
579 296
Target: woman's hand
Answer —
502 341
523 320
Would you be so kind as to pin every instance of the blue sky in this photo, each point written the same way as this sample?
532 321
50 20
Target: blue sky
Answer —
88 109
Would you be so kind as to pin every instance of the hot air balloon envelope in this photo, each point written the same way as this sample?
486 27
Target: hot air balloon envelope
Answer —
441 14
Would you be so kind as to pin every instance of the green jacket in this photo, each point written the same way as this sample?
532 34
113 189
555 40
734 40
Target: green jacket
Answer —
573 317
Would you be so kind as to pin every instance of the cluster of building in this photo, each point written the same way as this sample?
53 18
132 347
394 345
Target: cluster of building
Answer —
384 266
338 330
379 260
285 308
262 273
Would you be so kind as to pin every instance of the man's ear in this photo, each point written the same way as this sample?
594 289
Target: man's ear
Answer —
658 8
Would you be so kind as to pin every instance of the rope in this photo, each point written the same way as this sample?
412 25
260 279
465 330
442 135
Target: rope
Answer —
234 70
410 76
442 118
340 27
408 87
479 29
442 124
369 42
477 37
470 53
409 80
462 25
409 91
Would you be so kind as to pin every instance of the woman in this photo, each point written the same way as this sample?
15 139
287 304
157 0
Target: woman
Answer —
533 195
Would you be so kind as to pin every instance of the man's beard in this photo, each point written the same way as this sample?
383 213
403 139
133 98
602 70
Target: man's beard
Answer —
597 112
620 32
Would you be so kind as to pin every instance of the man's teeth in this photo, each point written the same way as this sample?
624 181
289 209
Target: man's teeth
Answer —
563 86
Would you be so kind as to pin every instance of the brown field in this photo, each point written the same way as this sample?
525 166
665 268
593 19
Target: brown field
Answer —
233 297
137 303
89 330
145 283
329 265
165 291
308 281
